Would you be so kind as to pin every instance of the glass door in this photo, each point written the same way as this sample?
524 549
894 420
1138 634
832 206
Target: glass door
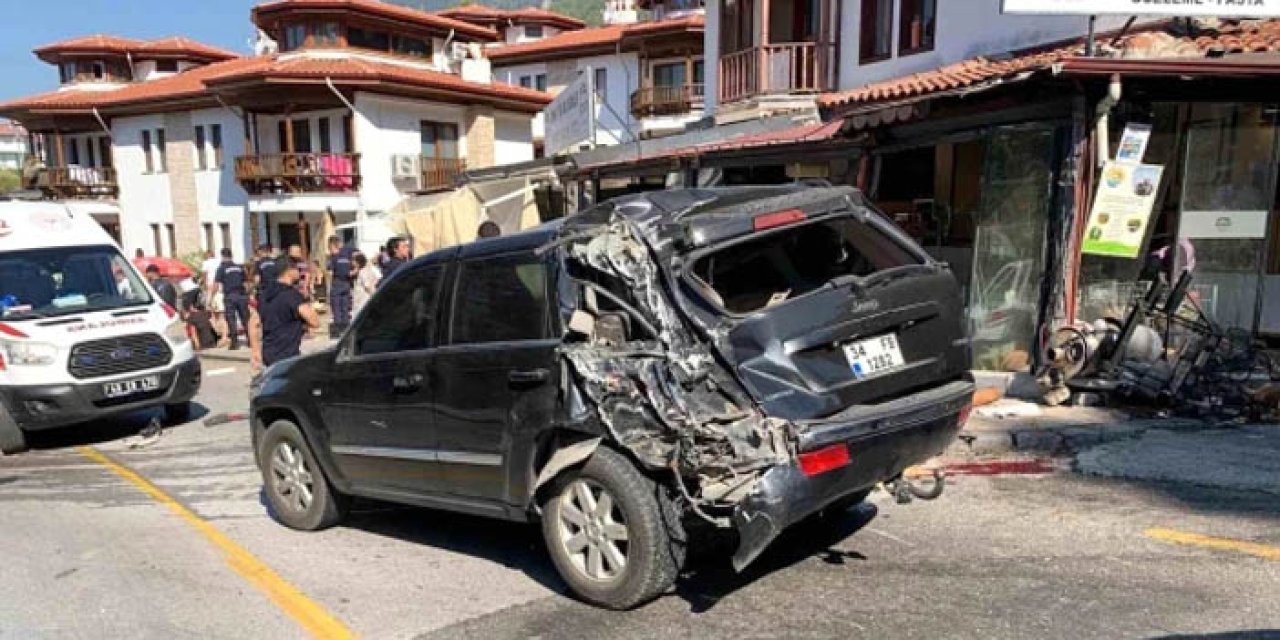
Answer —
1227 196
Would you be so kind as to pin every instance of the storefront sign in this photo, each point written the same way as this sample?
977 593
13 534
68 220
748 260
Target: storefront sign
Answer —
1223 225
1133 146
1221 8
1122 210
570 118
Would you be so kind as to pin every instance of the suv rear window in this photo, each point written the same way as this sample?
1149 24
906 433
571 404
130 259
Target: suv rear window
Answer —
769 269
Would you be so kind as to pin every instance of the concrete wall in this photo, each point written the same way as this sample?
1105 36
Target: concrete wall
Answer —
965 29
514 138
218 196
386 126
515 34
144 197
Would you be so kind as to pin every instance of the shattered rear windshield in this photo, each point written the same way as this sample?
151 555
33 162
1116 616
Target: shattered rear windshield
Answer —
773 268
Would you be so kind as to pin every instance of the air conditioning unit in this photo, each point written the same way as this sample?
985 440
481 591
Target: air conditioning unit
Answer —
406 171
459 51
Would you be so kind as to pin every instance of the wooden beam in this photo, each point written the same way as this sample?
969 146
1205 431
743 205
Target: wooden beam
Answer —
763 62
288 132
59 149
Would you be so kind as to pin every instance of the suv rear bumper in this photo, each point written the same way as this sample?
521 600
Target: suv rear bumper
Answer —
49 406
883 441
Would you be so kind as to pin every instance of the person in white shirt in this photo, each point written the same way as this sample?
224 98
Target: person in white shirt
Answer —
366 282
209 268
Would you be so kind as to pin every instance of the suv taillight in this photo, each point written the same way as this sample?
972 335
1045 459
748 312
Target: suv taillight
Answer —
824 459
777 219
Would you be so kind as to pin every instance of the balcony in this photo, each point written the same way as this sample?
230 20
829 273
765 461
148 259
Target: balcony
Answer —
294 173
773 69
441 174
666 100
69 183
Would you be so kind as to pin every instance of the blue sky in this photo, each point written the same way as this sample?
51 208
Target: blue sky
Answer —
224 23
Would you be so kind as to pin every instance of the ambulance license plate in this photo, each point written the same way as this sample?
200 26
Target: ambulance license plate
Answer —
130 387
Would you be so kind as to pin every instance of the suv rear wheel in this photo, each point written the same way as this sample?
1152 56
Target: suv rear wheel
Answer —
614 535
299 494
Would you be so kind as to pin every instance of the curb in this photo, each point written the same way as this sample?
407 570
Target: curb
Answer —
1058 440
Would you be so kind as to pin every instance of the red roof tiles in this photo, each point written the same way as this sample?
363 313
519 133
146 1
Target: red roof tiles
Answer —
263 13
1160 40
593 39
197 82
481 14
170 47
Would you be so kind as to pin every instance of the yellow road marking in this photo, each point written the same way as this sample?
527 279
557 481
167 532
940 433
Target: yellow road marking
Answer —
1269 552
305 611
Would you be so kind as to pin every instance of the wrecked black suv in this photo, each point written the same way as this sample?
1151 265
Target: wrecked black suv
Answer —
744 357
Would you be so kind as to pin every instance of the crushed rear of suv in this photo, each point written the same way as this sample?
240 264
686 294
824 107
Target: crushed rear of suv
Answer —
745 357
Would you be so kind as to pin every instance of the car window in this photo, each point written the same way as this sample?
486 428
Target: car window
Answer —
401 317
500 299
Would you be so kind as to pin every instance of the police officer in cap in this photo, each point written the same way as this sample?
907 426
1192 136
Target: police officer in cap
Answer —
339 268
230 277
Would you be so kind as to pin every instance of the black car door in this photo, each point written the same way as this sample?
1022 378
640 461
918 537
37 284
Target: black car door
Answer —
495 379
377 401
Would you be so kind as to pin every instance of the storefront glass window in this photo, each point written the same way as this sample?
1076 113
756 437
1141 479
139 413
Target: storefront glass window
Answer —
1008 259
1227 195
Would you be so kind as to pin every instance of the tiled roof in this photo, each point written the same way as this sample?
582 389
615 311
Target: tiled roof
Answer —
358 69
596 38
11 129
1164 40
172 46
489 15
196 82
414 17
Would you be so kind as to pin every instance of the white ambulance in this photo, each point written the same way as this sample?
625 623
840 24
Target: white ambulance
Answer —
82 334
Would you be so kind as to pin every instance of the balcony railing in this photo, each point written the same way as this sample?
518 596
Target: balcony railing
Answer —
77 182
790 67
441 174
666 100
286 173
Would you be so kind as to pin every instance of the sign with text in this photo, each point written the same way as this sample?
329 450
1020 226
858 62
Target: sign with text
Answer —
570 118
1122 210
1222 8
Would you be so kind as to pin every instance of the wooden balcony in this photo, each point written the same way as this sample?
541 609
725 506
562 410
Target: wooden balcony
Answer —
441 174
70 183
666 100
782 68
290 173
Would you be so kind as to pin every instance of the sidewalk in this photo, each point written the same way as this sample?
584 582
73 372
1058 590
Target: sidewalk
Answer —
1032 429
242 354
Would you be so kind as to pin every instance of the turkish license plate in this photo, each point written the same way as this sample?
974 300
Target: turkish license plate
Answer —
130 387
869 357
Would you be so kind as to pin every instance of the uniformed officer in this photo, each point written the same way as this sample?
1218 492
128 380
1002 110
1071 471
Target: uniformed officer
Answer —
339 268
266 267
230 278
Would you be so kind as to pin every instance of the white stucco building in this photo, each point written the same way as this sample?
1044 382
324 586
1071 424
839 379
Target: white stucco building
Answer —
13 145
349 107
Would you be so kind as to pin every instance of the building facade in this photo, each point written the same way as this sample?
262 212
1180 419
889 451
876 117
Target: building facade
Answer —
347 107
13 146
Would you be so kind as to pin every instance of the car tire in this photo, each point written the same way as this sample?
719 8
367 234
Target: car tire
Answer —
296 488
640 526
12 439
178 413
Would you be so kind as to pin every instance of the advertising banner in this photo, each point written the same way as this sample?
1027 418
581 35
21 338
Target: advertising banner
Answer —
1122 210
1220 8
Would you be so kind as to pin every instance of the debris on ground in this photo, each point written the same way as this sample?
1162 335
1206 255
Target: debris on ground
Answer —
1008 408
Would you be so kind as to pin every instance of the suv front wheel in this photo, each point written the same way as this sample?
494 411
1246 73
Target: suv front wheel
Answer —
614 534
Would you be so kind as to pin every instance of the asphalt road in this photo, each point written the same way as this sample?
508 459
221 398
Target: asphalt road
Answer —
86 551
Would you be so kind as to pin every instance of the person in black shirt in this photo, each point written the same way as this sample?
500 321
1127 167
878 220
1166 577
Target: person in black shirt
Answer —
265 266
163 287
230 279
339 268
398 248
284 316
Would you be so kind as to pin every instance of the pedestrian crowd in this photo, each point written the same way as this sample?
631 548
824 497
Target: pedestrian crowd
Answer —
269 302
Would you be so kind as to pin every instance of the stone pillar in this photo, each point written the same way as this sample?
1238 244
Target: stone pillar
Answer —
481 130
179 151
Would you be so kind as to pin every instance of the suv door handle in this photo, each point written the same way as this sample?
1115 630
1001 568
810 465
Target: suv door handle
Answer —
407 384
528 376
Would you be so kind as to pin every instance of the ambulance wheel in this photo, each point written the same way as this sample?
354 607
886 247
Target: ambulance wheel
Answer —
12 440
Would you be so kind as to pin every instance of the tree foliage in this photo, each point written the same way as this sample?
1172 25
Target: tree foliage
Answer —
10 180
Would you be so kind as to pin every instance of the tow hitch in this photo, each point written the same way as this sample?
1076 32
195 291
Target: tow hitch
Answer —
925 485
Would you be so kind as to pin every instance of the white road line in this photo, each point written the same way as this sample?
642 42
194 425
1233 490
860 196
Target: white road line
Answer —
889 536
220 372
